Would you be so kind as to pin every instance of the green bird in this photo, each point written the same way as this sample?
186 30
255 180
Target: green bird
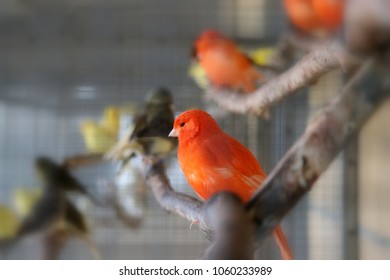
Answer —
149 133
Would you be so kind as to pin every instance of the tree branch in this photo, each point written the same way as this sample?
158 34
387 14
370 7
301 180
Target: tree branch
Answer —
289 44
309 157
307 71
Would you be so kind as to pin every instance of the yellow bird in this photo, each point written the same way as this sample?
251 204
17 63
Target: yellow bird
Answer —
24 199
99 137
9 223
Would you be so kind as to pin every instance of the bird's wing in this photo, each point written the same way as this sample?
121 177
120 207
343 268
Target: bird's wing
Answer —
141 123
44 212
222 164
74 218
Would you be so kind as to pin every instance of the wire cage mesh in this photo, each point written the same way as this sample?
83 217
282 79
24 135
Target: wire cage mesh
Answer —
65 61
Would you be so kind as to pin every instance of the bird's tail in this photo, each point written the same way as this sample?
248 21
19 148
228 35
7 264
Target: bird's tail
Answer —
281 240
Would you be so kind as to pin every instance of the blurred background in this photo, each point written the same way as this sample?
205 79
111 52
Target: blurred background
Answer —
62 62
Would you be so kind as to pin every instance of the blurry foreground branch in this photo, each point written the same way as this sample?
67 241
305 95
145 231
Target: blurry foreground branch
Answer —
323 139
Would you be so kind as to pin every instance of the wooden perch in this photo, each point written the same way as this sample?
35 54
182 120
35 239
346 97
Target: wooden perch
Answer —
307 71
309 157
289 44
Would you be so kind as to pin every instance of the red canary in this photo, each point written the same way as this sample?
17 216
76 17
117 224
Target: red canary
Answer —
213 161
224 63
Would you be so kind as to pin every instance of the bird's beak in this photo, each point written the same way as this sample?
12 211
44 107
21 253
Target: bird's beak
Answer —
173 133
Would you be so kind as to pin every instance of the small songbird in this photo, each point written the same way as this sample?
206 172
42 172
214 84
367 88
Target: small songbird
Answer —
148 136
212 161
224 63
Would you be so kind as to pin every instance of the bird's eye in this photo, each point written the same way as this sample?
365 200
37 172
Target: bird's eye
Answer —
182 124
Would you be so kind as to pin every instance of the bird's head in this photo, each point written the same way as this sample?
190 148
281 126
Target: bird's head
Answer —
160 96
45 168
204 39
210 34
193 123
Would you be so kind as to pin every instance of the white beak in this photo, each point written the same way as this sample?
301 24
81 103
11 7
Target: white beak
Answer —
173 133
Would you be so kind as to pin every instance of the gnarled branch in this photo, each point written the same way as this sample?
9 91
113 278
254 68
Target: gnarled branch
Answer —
305 72
309 157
